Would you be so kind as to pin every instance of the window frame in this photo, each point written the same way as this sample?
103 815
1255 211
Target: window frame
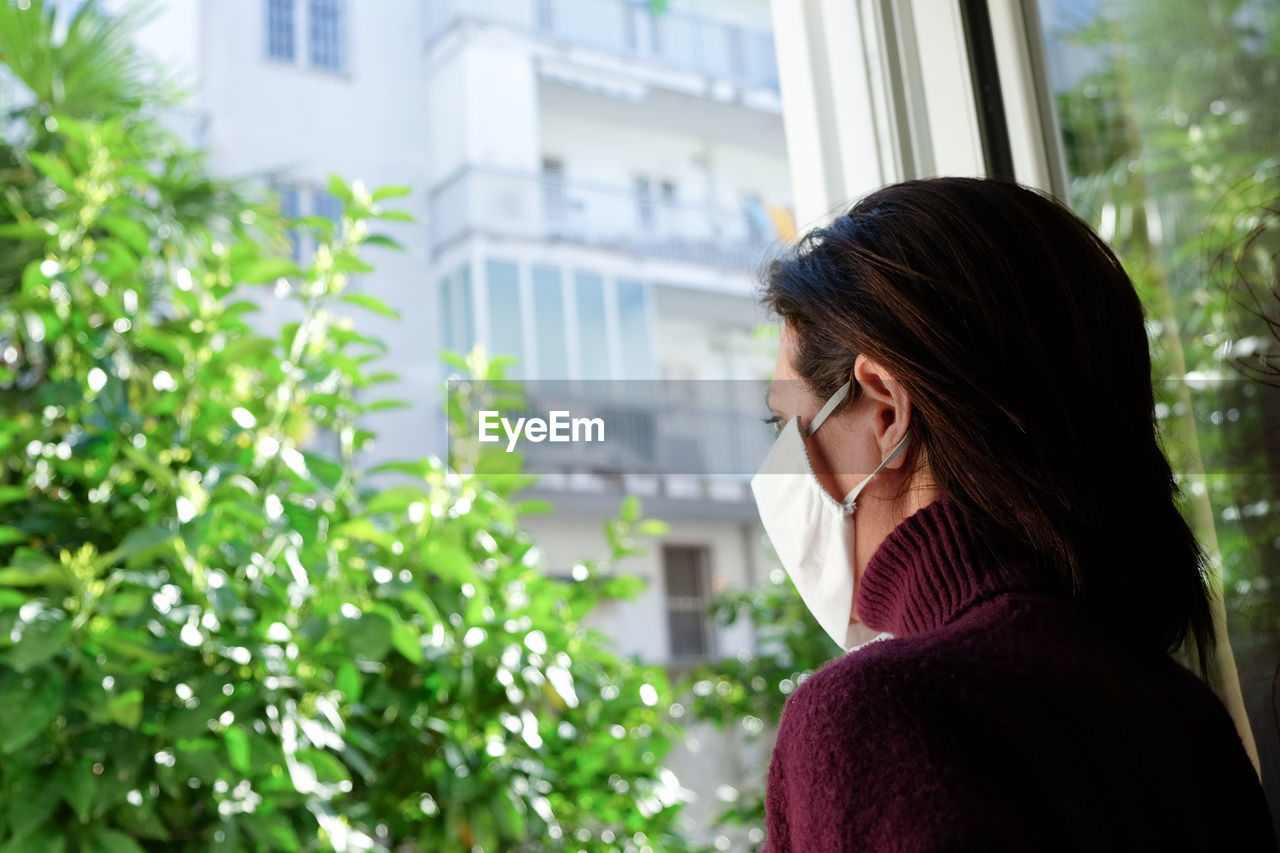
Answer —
269 18
699 604
340 36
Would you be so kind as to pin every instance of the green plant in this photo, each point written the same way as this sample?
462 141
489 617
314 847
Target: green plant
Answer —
217 631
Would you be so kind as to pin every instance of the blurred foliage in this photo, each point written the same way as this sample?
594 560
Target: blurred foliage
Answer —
1170 137
217 631
746 693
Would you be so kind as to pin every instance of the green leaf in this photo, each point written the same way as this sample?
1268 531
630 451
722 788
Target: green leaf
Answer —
391 191
9 494
129 231
349 681
347 262
105 840
630 510
36 230
387 405
41 638
449 562
77 784
369 636
324 470
48 839
382 240
9 535
50 574
338 188
200 757
419 601
142 545
29 702
329 770
266 270
271 831
373 303
394 215
31 807
126 708
533 507
407 640
366 530
395 499
53 167
238 749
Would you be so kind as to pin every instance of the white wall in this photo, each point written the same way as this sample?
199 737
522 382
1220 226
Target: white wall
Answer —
261 116
639 626
604 141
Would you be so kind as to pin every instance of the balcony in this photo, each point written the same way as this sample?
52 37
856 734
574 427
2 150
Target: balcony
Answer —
477 200
680 41
669 440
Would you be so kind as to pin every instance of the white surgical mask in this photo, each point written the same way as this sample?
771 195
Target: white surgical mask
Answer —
811 531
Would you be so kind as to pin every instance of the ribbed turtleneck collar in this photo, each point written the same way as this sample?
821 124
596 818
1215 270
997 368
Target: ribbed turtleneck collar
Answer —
933 566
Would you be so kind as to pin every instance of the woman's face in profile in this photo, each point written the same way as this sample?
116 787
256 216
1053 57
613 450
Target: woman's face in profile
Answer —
840 456
846 449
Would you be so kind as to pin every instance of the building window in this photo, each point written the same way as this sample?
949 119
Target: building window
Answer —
506 330
456 311
553 196
668 189
545 15
593 339
633 329
687 574
326 34
280 29
548 307
644 202
291 209
327 205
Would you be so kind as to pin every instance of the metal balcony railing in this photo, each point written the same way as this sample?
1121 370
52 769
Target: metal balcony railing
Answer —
677 40
476 200
649 434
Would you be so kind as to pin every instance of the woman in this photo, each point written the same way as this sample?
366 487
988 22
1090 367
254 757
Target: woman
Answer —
977 362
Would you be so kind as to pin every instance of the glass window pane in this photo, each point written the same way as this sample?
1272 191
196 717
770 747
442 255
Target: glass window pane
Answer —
548 307
506 332
290 207
593 342
1169 122
280 29
684 570
633 329
327 205
456 311
326 34
687 634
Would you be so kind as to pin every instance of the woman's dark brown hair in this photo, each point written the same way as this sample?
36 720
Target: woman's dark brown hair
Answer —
1021 341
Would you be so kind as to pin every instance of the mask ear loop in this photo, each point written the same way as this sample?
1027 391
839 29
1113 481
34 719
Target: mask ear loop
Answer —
828 407
850 500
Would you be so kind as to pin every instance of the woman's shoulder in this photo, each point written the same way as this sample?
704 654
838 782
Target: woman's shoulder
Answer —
898 671
873 688
1017 659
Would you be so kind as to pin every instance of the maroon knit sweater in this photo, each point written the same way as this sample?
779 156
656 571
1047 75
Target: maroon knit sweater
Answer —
1001 717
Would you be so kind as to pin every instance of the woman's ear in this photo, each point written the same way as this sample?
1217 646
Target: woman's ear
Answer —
889 402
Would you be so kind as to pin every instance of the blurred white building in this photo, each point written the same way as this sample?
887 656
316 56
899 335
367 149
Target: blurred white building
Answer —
596 188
